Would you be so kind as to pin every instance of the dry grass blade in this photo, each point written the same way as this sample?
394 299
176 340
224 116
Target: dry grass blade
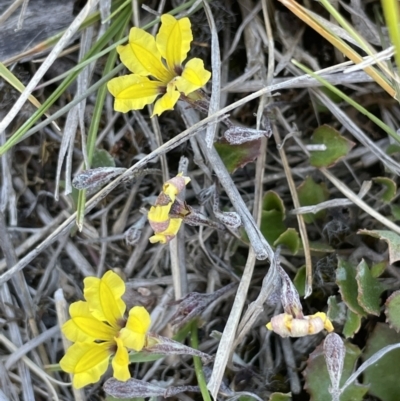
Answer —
228 276
47 64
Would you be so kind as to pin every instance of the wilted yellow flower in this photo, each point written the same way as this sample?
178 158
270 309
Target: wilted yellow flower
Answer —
100 330
288 326
166 227
144 55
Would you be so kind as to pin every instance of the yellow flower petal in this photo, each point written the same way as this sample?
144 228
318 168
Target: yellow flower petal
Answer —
168 234
84 327
173 40
86 361
132 92
142 57
167 101
158 213
327 323
104 297
134 333
120 362
193 77
154 239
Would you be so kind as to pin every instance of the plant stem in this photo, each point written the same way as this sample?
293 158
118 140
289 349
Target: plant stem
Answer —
201 380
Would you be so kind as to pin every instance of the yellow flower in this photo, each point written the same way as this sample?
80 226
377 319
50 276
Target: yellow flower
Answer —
288 326
99 330
165 227
143 56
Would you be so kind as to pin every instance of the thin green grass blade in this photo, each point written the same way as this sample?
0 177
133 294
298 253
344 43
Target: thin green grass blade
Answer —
391 10
355 35
87 61
97 112
201 380
49 42
350 101
20 133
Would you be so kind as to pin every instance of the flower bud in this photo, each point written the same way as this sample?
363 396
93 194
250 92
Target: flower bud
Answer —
165 346
95 177
238 135
133 388
334 352
194 304
287 326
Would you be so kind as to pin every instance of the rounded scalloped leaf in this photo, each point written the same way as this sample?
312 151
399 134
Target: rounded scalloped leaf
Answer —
289 238
369 290
101 158
391 238
318 381
310 193
383 376
392 310
337 146
348 287
299 280
280 397
272 201
336 310
237 156
352 324
390 188
273 214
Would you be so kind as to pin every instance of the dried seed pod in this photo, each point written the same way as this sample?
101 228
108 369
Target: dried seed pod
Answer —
95 177
334 352
238 135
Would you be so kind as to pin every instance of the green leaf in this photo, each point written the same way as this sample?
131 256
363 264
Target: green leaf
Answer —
290 238
378 268
393 149
272 201
317 378
369 289
320 247
392 310
272 225
337 146
101 158
391 188
336 310
299 280
237 156
280 397
352 324
395 212
311 193
346 280
391 238
383 376
272 217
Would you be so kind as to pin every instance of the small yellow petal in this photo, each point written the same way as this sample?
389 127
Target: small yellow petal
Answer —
166 102
84 327
120 362
173 40
133 92
327 323
159 214
86 361
104 297
167 235
175 185
154 239
142 57
134 333
193 77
